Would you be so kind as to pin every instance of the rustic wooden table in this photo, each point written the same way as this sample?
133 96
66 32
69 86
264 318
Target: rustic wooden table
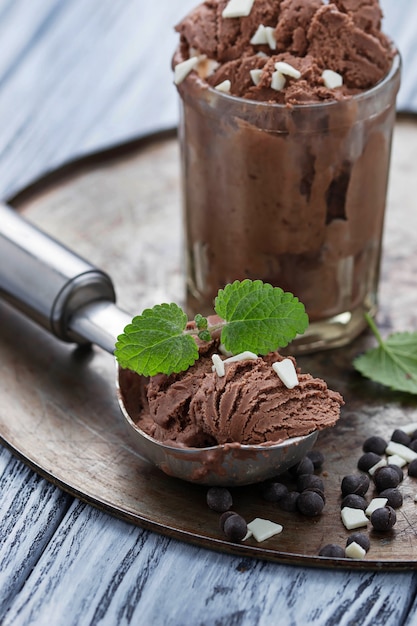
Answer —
76 77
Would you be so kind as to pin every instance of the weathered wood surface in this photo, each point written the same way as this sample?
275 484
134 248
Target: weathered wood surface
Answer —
72 79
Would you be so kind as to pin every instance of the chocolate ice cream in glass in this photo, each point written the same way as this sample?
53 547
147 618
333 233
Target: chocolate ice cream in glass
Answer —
287 113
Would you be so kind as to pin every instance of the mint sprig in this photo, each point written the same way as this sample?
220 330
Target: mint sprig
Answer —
254 316
393 362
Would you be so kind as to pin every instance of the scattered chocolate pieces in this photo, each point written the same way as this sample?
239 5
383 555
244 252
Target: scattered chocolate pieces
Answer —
285 371
353 483
394 497
383 519
274 491
386 478
263 529
399 436
331 79
375 444
361 539
353 501
412 469
355 551
368 460
219 499
332 550
317 457
235 528
237 8
310 503
353 518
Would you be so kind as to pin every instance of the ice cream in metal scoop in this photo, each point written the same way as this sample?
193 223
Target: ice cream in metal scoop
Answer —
76 302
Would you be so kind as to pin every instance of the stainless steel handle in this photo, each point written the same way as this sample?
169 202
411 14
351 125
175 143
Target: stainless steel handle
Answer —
56 288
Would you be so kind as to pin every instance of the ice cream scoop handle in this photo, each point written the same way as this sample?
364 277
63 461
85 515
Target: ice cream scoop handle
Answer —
54 286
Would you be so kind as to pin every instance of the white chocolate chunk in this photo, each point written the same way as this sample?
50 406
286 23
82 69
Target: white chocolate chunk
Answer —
256 76
381 463
206 67
278 81
394 459
287 69
355 551
238 8
218 365
332 79
259 38
409 428
375 503
224 86
353 518
270 37
182 69
263 529
397 448
242 356
286 372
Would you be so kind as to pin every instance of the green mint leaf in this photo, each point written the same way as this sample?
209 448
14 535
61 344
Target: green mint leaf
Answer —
393 363
259 317
155 343
201 322
204 335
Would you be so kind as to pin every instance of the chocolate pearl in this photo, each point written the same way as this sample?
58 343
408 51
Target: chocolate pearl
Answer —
413 445
354 483
305 466
385 478
306 481
398 469
413 435
384 518
374 444
353 501
333 550
317 457
412 468
319 491
289 502
394 497
361 539
219 499
309 503
273 492
223 518
368 460
235 528
399 436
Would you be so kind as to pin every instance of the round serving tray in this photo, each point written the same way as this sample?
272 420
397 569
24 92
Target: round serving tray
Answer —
59 413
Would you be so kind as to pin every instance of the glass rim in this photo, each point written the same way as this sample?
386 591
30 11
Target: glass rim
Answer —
357 98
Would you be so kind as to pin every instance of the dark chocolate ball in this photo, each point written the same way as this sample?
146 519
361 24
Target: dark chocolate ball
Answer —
273 492
374 444
394 497
235 528
306 481
305 466
368 460
332 550
399 436
223 518
355 483
289 502
386 478
353 501
361 539
219 499
412 468
317 457
384 519
398 469
310 503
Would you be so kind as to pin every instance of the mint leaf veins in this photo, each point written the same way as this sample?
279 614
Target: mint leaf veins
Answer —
393 362
254 316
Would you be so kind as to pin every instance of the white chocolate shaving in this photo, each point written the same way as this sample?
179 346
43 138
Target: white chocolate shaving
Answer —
218 365
397 448
278 81
375 503
224 86
242 356
381 463
259 38
270 37
286 372
353 518
182 69
206 67
355 551
332 79
238 8
287 69
225 352
263 529
256 76
397 460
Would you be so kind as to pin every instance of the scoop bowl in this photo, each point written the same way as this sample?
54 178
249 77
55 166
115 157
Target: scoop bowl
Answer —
228 465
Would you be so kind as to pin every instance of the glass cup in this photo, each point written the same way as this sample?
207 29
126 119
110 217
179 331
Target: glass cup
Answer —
294 196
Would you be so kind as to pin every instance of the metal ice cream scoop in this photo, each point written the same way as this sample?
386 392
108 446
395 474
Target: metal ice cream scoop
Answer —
75 301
